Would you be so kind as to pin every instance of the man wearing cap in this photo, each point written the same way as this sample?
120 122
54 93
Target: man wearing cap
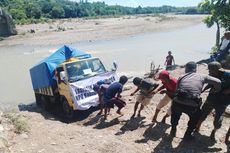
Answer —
218 101
187 99
168 88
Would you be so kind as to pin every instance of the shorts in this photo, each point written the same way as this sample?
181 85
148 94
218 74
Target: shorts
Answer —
163 102
144 100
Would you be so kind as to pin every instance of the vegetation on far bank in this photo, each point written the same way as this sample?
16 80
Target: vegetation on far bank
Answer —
33 11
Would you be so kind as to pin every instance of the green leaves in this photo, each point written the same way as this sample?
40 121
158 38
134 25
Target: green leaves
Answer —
57 12
209 21
219 11
31 10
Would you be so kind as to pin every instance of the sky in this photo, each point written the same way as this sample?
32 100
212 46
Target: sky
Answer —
143 3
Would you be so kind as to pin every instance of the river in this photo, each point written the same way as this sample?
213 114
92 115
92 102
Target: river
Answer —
133 55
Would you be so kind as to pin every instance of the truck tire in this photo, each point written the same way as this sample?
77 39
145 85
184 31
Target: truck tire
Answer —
38 99
68 111
45 102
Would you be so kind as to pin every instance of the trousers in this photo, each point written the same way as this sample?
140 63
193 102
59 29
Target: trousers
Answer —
194 114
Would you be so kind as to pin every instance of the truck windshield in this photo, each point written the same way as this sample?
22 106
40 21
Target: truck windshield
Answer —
83 69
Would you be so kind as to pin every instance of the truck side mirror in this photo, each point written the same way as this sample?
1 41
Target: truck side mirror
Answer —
114 66
62 75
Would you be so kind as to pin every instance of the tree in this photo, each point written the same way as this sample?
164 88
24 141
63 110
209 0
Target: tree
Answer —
225 17
219 15
191 11
4 3
33 10
18 14
46 6
57 12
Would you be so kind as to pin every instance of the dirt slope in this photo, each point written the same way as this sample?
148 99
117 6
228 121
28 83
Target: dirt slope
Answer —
89 133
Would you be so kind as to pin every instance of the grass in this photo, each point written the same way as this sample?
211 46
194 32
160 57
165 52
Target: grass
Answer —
1 38
20 122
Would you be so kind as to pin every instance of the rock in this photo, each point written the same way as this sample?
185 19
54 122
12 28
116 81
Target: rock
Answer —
24 136
1 128
31 31
7 26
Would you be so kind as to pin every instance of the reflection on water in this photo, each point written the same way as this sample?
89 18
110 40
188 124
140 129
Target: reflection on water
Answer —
133 55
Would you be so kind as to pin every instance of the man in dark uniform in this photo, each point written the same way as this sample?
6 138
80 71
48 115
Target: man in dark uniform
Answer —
218 101
187 99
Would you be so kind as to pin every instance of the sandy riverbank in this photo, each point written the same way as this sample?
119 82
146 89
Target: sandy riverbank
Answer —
88 132
97 29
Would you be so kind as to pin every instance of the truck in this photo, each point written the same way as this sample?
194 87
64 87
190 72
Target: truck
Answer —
67 78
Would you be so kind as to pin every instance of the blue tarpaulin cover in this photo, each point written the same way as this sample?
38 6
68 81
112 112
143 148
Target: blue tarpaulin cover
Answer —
42 74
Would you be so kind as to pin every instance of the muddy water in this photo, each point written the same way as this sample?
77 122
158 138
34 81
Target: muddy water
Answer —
133 55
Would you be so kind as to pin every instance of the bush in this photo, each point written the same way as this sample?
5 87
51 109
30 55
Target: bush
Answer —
164 18
20 122
213 50
59 28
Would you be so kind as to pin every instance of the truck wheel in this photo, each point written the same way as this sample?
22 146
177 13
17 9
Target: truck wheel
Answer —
45 103
38 100
68 111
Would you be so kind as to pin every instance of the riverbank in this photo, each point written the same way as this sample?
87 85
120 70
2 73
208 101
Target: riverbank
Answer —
68 31
88 132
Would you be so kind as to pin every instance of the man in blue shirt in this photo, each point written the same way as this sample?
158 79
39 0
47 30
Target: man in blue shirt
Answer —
112 96
218 101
